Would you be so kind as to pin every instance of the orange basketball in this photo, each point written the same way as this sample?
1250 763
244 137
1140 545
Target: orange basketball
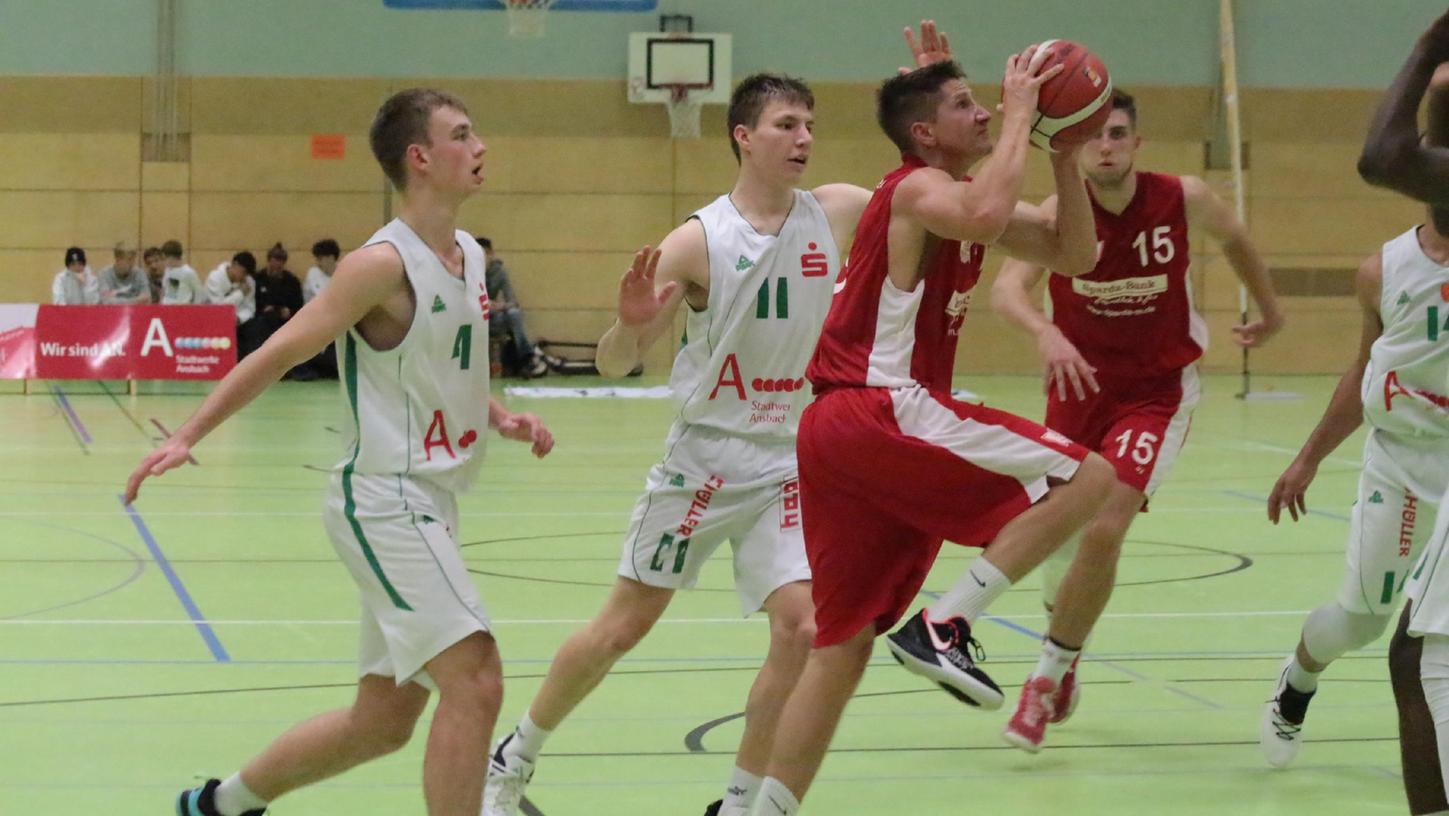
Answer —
1072 106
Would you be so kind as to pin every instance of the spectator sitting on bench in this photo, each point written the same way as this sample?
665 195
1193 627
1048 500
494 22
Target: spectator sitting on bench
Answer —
180 283
75 285
507 319
231 283
123 281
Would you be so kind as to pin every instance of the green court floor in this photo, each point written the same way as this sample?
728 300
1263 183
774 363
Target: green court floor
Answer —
141 650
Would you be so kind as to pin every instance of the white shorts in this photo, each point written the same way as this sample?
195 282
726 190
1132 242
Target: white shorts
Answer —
712 487
1398 498
1429 584
398 538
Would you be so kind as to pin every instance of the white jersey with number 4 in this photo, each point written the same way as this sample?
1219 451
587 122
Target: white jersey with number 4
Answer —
741 369
1404 389
420 409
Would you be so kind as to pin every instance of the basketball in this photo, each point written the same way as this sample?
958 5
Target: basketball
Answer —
1071 107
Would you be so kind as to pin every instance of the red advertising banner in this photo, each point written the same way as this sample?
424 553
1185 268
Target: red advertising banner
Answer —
117 342
17 341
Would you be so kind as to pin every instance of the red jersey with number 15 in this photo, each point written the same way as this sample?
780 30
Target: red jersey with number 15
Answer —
1133 314
877 336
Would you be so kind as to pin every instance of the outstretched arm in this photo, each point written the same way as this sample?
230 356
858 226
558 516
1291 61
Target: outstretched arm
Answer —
1393 155
364 280
649 295
1206 210
1345 409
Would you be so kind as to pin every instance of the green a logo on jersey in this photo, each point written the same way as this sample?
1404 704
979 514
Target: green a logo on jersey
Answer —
1403 298
743 263
1376 498
438 304
678 480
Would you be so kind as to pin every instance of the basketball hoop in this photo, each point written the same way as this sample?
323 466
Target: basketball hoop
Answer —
526 17
683 112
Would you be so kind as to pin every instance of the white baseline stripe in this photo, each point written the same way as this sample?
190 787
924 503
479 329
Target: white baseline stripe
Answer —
1269 613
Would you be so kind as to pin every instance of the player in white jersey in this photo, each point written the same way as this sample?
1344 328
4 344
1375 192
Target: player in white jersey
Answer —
1395 155
1397 385
756 270
411 311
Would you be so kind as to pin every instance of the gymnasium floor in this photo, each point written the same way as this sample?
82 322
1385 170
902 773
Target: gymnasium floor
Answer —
143 649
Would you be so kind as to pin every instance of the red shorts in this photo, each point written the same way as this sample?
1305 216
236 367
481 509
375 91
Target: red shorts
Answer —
886 475
1137 424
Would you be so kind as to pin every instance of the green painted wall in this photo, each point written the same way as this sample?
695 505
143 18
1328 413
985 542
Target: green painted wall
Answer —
1292 43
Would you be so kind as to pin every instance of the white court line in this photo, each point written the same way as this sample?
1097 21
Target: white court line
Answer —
576 621
1264 446
311 514
477 514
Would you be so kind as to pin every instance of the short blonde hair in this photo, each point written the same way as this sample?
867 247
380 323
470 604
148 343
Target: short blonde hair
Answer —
124 249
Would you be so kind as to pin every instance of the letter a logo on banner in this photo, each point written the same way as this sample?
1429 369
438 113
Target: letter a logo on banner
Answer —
156 336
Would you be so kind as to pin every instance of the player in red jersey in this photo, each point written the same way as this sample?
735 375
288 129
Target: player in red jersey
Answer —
890 465
1120 351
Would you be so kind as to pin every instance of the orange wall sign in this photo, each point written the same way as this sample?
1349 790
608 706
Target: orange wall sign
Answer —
329 145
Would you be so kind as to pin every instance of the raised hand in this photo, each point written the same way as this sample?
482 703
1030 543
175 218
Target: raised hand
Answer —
172 453
639 303
527 428
1064 364
931 48
1291 491
1024 78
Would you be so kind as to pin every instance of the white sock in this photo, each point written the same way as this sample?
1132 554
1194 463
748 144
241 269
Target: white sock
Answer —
1055 660
1300 678
528 740
774 799
971 593
234 798
742 789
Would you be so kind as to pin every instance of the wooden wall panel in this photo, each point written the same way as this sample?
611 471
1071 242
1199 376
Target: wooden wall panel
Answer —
579 223
232 221
166 176
1328 226
577 165
278 163
25 274
70 104
35 220
70 161
165 216
566 280
275 105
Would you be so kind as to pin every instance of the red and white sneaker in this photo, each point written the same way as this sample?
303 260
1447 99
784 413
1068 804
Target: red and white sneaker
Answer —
1034 710
1066 697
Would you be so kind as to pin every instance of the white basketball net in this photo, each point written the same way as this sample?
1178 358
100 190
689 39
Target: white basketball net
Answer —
683 110
526 17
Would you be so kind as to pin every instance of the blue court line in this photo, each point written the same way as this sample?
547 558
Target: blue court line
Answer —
217 650
1031 633
70 413
1263 500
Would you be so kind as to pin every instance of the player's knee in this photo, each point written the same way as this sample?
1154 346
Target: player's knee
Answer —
480 690
794 633
621 633
1096 475
388 734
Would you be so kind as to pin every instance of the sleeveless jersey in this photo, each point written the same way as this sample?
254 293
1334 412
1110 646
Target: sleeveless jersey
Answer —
741 367
1404 388
420 409
878 336
1133 314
